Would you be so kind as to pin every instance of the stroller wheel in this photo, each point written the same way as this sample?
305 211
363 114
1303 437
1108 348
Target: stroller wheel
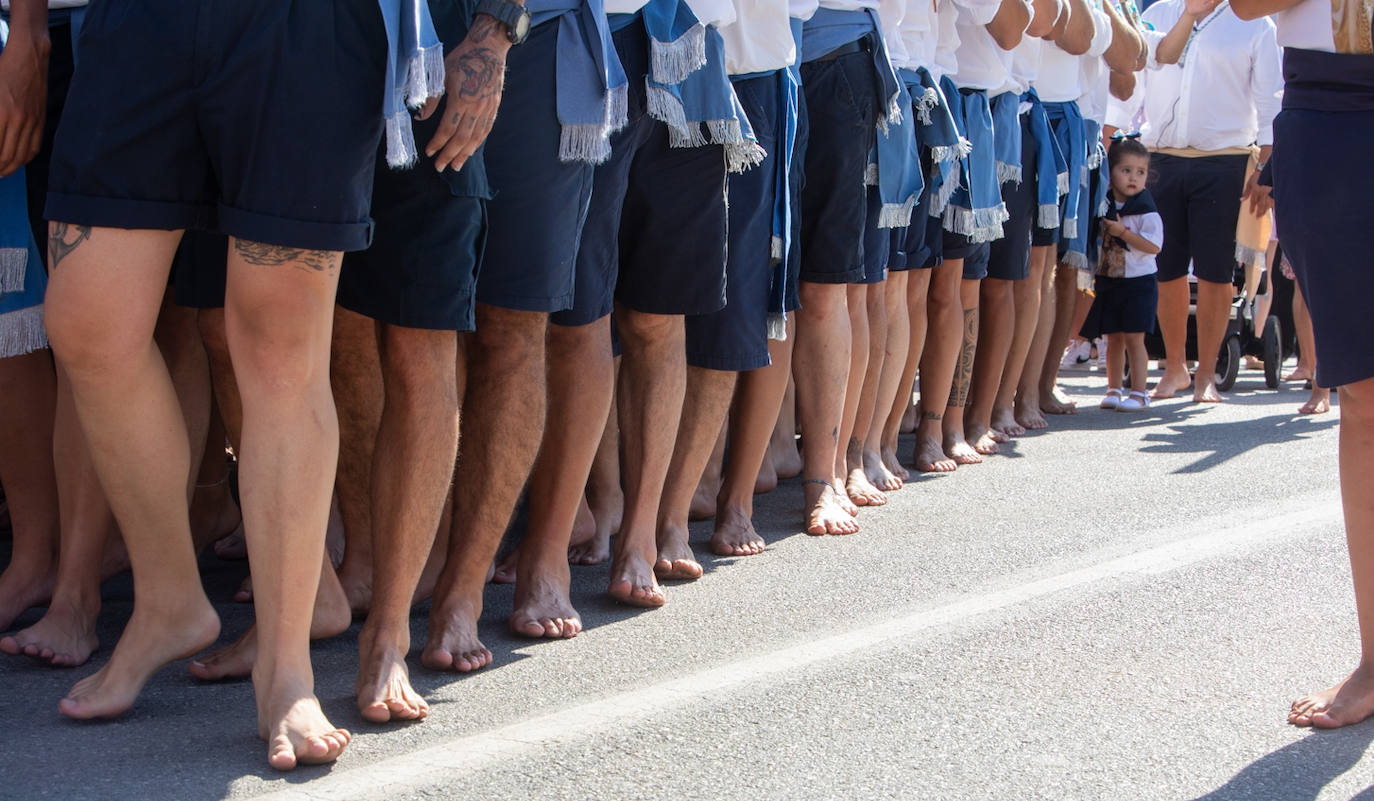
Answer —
1228 364
1272 343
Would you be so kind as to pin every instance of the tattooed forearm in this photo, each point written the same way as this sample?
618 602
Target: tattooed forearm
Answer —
963 374
274 255
63 238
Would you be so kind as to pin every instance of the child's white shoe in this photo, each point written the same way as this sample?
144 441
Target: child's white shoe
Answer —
1112 400
1137 401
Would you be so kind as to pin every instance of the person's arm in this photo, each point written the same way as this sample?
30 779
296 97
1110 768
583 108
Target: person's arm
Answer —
1170 50
1044 15
475 75
23 84
1077 35
1121 84
1126 53
1134 241
1009 24
1266 87
1254 9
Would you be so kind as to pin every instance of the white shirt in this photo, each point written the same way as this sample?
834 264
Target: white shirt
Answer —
802 9
1226 94
625 6
983 64
712 12
849 5
1094 76
1307 25
1150 227
918 35
1025 65
1061 74
760 38
946 40
890 13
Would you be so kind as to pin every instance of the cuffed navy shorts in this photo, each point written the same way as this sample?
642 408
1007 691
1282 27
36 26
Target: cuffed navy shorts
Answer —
1199 201
736 337
257 118
976 261
841 94
1126 305
540 202
654 238
1009 257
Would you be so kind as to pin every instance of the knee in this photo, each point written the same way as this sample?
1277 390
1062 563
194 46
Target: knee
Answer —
419 367
822 301
276 354
510 332
1357 402
84 346
640 327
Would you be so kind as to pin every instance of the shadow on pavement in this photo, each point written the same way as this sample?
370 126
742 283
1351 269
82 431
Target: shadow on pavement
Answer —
1299 771
1219 442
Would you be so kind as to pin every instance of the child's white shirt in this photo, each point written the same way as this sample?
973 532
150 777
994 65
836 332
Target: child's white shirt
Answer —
1149 227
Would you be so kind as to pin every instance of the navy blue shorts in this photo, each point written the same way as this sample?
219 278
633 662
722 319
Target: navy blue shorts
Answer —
199 269
1009 258
976 261
256 118
841 93
736 337
896 250
795 181
1126 305
655 233
877 241
540 202
1320 192
1199 201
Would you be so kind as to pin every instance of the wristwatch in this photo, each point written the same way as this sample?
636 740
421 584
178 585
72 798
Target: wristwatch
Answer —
514 15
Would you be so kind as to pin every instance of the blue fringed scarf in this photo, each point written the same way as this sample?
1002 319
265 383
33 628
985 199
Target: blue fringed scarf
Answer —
944 135
790 79
591 85
1067 124
414 73
699 107
976 209
828 29
1006 132
1051 169
23 281
899 168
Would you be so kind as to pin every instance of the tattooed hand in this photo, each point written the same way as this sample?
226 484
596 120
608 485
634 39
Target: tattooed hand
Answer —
472 94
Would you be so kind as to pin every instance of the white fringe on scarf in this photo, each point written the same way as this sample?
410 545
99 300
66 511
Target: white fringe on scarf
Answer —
21 331
894 113
940 201
775 253
1069 229
1049 215
424 79
671 62
896 215
945 153
1008 173
1061 183
777 326
1073 258
983 225
13 265
871 175
741 154
928 101
591 142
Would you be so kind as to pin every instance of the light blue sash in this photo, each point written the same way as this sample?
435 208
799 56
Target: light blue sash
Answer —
414 73
1051 169
976 209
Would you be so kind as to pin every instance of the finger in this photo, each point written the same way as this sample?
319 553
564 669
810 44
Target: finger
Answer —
9 146
463 143
427 110
448 126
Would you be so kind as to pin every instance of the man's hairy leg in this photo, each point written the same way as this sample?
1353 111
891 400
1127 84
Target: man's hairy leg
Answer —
279 307
821 367
100 321
703 419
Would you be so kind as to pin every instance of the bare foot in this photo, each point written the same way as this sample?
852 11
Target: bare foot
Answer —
453 643
296 731
735 535
1318 403
824 513
633 581
861 491
1170 384
1347 703
1056 402
357 588
608 509
232 546
330 617
383 689
931 458
767 479
704 500
591 539
984 442
504 569
894 465
908 424
1029 416
879 475
150 641
22 587
958 449
63 637
675 561
244 594
786 459
1004 420
216 518
1300 373
1206 393
543 609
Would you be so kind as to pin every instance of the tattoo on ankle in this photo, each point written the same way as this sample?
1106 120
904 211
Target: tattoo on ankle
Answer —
63 238
319 261
932 416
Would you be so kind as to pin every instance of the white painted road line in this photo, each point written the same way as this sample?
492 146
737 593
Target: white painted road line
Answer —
436 764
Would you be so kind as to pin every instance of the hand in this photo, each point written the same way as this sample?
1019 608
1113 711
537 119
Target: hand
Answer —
1259 196
476 71
23 101
1113 227
1200 8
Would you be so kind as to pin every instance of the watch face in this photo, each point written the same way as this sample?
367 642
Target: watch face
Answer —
522 26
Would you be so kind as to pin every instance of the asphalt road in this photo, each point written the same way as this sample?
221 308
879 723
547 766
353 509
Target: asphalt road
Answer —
1121 608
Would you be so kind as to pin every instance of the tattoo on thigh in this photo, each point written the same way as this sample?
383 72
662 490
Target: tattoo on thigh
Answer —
319 261
963 374
63 238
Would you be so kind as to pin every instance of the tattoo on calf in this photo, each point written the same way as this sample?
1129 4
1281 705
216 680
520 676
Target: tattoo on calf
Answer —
319 261
63 238
963 375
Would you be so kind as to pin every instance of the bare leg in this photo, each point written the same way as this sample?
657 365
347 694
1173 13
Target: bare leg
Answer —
1307 341
1066 293
1028 411
868 324
757 402
581 380
1213 315
702 426
820 368
1173 326
355 373
955 443
944 339
896 344
784 460
653 377
226 391
27 405
101 322
917 293
1140 361
503 422
704 498
1116 361
1353 699
1026 299
997 325
604 497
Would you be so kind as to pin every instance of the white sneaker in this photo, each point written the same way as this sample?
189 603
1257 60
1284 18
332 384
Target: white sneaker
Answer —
1137 401
1078 352
1112 400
